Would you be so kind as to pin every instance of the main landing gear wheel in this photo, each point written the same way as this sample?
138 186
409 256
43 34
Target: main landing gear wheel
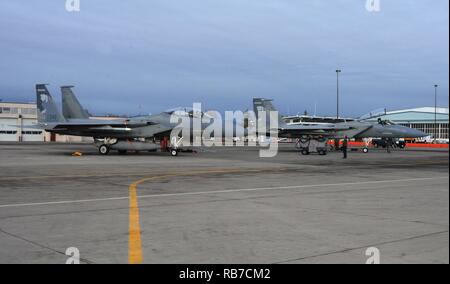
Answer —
103 149
305 152
173 152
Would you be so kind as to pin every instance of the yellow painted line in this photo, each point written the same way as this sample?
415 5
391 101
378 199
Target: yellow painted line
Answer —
134 236
134 239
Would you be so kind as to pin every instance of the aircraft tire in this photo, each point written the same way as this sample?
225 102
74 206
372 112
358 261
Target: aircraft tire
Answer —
173 152
103 149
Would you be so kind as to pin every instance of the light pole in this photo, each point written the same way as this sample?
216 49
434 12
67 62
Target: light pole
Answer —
337 92
435 113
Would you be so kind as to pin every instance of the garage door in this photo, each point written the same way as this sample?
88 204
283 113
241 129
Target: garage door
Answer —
8 132
31 134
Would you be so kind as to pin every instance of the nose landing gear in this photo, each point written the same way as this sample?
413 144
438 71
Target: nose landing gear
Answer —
175 144
103 149
174 152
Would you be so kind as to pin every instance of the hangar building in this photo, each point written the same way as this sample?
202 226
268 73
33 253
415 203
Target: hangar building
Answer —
15 119
420 118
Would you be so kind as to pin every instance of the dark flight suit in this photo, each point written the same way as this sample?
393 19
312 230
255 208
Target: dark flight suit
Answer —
344 147
388 145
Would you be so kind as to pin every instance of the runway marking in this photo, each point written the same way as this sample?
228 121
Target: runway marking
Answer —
134 240
208 192
134 236
135 255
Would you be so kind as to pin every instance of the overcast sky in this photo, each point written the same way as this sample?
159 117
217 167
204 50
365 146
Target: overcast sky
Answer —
145 56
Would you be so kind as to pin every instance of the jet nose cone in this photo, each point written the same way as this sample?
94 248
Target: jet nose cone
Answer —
400 131
411 132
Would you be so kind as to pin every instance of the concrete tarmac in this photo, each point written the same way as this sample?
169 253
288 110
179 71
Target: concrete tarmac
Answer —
222 205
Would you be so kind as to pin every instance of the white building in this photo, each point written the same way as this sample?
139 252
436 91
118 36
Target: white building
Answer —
15 122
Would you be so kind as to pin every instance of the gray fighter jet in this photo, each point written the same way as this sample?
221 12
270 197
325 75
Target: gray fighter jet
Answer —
353 129
284 130
115 134
120 134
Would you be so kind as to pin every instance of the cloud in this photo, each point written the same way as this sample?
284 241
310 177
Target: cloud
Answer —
161 54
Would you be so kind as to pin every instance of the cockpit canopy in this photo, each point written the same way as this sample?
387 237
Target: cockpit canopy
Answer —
385 122
184 112
187 112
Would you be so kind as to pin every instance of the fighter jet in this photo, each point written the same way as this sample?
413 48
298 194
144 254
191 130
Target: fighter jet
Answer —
284 130
115 134
121 134
353 129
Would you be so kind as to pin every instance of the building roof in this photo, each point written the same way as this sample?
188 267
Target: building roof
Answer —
439 110
415 115
3 103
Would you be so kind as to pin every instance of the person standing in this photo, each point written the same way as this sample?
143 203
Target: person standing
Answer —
336 144
345 147
388 145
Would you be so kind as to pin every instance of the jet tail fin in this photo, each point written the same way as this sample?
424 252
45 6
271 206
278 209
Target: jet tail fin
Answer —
71 107
47 110
260 104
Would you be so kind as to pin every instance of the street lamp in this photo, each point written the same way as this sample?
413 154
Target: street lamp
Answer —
435 113
337 92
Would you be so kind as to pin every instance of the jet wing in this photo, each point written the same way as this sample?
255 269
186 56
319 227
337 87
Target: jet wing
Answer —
105 128
92 130
113 128
313 127
98 123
